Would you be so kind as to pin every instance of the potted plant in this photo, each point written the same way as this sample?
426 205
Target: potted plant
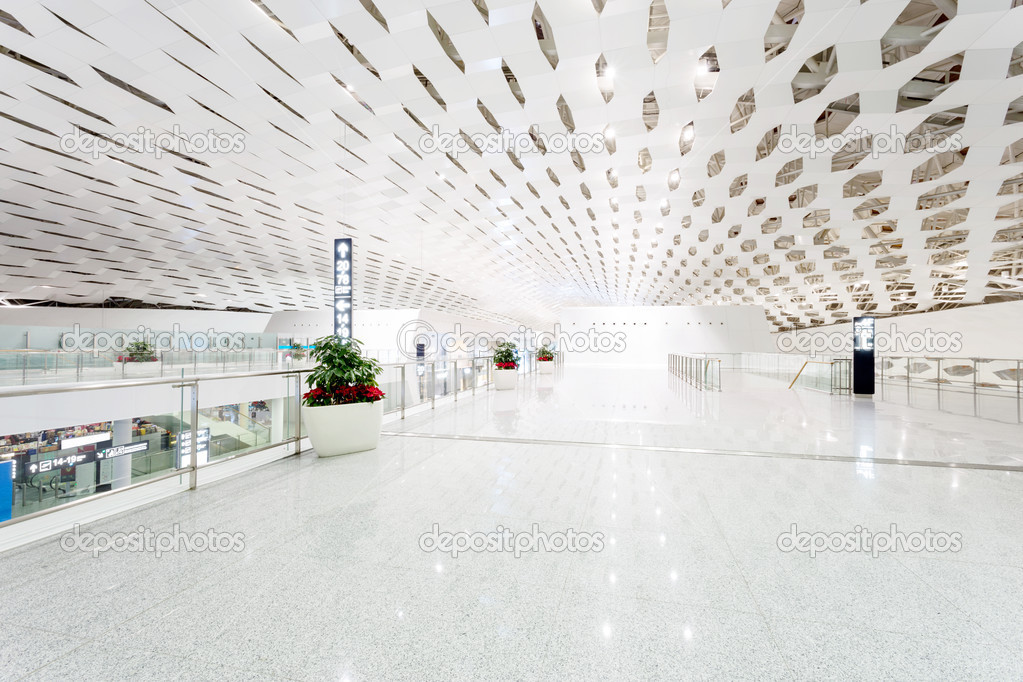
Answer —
137 355
545 360
343 409
506 366
297 352
139 351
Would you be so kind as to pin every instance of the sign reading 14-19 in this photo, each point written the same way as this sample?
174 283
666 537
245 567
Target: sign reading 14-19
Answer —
343 288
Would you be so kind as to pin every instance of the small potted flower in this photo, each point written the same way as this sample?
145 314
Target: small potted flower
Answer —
506 366
343 408
137 352
545 360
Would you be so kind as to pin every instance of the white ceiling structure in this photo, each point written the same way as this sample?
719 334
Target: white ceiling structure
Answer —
693 202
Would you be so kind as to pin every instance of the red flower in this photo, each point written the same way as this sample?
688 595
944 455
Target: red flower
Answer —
506 365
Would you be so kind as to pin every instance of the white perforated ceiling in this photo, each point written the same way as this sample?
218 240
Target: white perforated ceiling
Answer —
692 202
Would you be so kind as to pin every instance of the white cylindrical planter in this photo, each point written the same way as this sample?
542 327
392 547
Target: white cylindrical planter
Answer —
545 366
341 429
504 379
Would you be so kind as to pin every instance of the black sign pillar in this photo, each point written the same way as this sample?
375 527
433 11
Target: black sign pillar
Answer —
343 288
863 356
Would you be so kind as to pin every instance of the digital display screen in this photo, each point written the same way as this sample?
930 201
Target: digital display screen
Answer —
343 288
863 355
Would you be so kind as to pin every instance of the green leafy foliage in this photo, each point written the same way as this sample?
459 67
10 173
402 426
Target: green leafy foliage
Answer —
505 353
140 351
340 365
545 354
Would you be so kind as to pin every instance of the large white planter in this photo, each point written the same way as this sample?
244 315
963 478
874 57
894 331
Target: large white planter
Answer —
545 367
340 429
139 369
504 379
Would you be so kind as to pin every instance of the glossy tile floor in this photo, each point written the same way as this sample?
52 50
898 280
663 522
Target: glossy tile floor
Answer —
690 584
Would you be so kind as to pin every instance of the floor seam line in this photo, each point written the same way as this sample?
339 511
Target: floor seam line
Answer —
711 451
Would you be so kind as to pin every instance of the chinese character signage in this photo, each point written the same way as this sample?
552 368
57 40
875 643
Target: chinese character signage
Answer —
863 356
343 288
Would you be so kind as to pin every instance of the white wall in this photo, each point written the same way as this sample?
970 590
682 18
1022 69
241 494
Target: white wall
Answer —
651 333
130 318
984 331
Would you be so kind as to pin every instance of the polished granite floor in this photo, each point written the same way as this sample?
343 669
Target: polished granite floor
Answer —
688 490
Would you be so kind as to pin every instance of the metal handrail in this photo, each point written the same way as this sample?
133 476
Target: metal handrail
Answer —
808 362
193 383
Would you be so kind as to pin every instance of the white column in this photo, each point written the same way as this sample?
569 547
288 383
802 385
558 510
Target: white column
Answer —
277 420
122 465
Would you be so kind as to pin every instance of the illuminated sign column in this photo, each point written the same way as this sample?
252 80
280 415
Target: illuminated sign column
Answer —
343 288
6 489
863 356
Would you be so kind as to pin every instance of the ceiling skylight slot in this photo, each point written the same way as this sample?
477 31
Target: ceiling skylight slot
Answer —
605 79
132 90
445 42
359 57
651 111
8 18
282 103
544 36
783 27
745 107
566 114
39 66
513 83
271 60
658 24
481 5
273 17
179 26
425 82
375 13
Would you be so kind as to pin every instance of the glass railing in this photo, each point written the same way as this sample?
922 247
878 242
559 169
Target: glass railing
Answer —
700 371
830 377
984 387
821 373
25 367
73 443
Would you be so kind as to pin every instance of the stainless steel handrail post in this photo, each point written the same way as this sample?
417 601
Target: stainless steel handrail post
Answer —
193 474
403 391
298 413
